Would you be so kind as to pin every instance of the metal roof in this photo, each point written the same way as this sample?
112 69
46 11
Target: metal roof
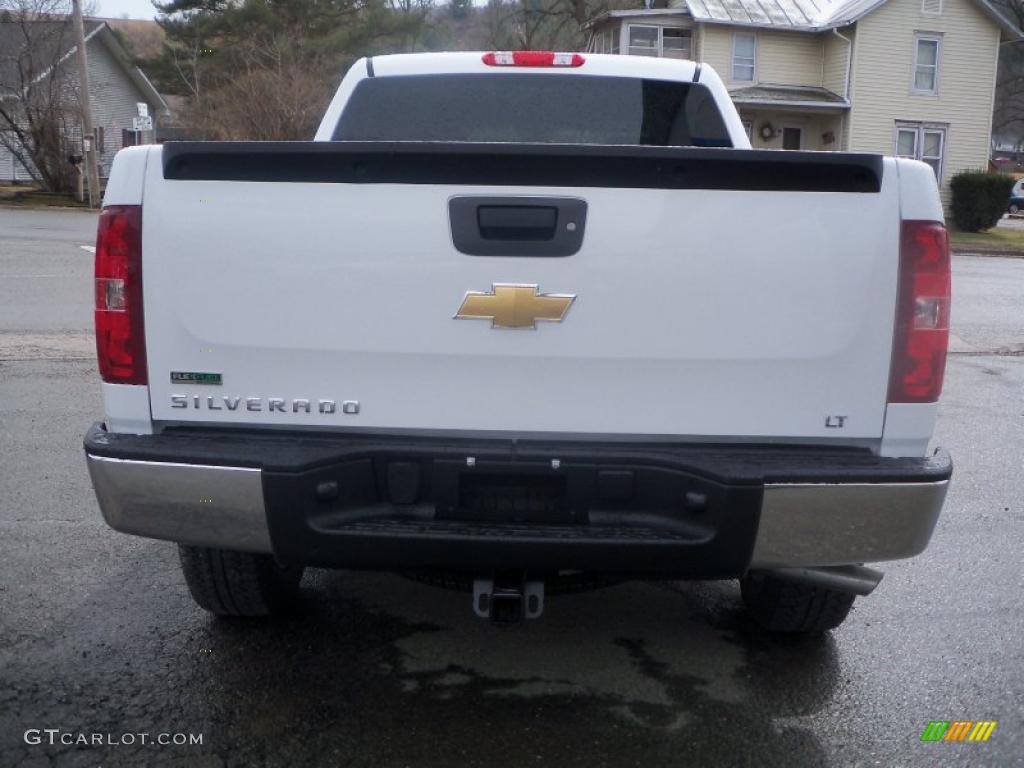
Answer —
787 14
807 15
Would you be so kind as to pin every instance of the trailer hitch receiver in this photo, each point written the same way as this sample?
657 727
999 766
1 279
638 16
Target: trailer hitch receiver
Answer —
508 598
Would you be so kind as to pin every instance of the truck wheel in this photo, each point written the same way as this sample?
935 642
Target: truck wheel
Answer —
1014 208
786 606
230 583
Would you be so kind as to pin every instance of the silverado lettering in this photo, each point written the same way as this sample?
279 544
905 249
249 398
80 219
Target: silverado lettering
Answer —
278 404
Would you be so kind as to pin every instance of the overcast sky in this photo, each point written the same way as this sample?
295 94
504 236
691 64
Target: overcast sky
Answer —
135 9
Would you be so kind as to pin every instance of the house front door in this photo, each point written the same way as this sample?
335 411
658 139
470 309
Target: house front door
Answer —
792 138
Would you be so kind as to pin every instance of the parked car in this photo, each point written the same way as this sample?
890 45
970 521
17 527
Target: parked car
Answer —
1016 202
499 325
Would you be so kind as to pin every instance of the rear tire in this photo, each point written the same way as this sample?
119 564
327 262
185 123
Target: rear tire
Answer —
790 607
229 583
1014 208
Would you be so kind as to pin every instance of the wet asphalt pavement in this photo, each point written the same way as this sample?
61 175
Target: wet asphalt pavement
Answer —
98 634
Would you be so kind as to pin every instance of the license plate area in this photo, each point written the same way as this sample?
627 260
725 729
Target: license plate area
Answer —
511 497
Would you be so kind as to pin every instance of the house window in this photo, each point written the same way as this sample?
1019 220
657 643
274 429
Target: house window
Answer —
922 142
603 41
926 64
675 43
671 42
643 40
744 56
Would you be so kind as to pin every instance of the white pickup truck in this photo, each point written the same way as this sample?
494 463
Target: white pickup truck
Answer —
523 321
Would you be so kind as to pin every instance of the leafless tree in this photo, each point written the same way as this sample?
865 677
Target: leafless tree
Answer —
274 96
39 107
1008 119
186 61
411 17
545 24
253 72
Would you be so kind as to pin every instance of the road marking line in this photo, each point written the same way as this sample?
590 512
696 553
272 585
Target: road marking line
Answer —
89 248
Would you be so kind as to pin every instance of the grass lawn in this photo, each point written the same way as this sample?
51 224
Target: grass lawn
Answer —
997 239
27 195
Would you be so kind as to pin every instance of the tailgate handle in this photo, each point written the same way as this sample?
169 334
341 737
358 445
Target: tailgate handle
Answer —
517 222
517 226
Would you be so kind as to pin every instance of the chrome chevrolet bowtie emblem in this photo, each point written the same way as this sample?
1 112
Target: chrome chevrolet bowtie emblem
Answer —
510 305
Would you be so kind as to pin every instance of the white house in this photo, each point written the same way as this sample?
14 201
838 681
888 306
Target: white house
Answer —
914 78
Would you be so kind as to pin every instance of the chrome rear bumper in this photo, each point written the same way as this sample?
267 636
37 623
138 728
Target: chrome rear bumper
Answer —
801 524
188 503
807 524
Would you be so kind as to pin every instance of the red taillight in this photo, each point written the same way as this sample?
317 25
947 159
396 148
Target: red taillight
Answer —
120 341
532 59
922 315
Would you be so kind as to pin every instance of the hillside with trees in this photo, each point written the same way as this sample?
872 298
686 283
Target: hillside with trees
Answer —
266 69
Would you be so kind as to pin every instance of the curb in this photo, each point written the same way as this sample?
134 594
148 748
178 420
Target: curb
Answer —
967 251
9 206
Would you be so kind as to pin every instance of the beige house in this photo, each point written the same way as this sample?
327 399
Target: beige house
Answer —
914 78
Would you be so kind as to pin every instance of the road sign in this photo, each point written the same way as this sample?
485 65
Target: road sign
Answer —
143 108
142 123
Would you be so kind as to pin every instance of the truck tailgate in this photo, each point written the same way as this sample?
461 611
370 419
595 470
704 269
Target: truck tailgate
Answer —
719 293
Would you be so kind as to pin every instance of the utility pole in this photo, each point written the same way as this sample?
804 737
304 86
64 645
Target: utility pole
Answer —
88 155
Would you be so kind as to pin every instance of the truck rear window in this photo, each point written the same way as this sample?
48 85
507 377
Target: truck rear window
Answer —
532 108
